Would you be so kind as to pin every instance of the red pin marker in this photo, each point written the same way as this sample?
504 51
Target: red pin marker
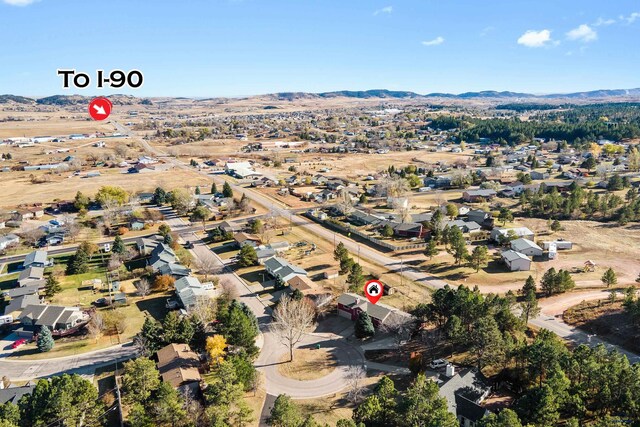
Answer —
100 108
373 290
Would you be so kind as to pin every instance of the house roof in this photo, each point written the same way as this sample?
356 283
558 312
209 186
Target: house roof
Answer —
512 255
187 282
174 269
35 257
242 237
13 394
378 311
46 315
468 384
19 303
31 288
265 253
521 244
31 273
178 365
301 283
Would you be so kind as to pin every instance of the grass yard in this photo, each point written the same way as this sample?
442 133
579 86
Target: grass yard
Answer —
308 364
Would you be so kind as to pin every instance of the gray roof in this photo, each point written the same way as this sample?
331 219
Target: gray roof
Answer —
265 253
378 311
13 394
512 255
31 288
521 244
174 269
32 273
467 383
19 303
50 316
39 257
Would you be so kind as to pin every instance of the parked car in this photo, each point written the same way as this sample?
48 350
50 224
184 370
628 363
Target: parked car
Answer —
102 302
18 343
188 245
438 363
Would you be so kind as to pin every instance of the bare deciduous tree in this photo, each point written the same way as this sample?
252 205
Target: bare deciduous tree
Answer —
207 266
291 319
355 378
344 203
96 326
143 287
204 309
114 262
399 326
32 236
228 290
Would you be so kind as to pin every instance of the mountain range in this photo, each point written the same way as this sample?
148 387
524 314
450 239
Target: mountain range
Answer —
62 100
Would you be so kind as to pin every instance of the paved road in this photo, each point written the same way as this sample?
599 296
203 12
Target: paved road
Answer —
86 363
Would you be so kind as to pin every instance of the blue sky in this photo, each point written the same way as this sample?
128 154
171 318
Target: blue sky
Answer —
243 47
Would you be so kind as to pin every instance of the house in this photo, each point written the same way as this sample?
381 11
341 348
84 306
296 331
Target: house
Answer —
37 259
464 392
229 227
499 233
16 305
8 240
264 254
14 394
485 219
478 195
516 261
301 283
279 247
331 274
136 225
179 366
161 255
351 305
30 275
538 176
241 170
174 269
243 239
59 319
409 229
526 247
146 245
467 227
559 244
32 288
335 184
282 270
189 290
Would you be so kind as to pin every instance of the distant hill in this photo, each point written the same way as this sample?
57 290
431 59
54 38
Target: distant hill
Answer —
62 100
5 99
374 93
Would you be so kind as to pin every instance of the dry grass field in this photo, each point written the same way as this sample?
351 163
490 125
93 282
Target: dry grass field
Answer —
308 364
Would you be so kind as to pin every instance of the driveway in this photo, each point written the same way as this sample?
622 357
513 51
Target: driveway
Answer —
5 345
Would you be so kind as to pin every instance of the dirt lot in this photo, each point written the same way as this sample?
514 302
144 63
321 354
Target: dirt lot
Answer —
607 320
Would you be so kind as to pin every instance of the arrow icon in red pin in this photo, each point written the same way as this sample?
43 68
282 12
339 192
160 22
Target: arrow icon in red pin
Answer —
100 108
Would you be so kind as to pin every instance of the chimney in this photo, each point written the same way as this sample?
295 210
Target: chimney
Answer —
451 371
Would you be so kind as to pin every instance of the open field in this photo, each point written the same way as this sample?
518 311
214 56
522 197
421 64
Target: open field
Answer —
55 122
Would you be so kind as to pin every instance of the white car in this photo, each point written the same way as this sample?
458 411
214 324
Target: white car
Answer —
438 363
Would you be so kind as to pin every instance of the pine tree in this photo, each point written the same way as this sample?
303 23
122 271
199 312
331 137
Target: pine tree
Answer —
45 340
609 277
52 286
432 249
214 188
118 246
529 285
226 190
197 190
364 326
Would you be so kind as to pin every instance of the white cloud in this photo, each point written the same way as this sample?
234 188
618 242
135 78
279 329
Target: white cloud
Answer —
532 38
486 30
19 2
435 42
604 22
386 9
583 33
631 18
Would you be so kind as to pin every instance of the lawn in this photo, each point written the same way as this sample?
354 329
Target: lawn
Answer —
8 281
308 364
225 250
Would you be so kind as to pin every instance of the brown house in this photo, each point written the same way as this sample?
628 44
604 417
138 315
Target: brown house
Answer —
178 366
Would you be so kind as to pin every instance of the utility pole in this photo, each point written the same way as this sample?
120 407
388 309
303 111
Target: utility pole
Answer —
404 304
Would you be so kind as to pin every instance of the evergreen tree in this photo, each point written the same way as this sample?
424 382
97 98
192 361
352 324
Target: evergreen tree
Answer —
227 191
247 256
479 257
609 277
284 413
432 249
118 246
458 244
356 278
79 262
167 407
197 190
149 339
364 326
214 188
529 285
52 286
140 380
423 406
159 196
44 342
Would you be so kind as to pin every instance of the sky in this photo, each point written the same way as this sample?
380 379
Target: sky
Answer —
205 48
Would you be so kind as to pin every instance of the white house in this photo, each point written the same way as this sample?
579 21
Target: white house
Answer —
523 232
516 261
